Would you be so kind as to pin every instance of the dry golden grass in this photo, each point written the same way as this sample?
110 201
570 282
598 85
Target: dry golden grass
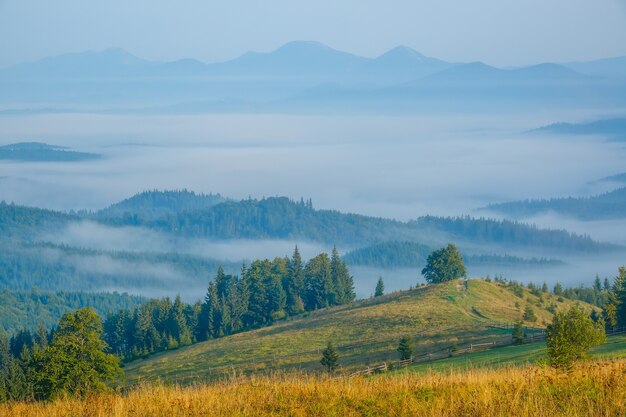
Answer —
592 389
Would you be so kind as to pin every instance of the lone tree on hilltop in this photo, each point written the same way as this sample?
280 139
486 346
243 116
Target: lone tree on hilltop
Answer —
571 335
445 264
330 358
380 287
405 349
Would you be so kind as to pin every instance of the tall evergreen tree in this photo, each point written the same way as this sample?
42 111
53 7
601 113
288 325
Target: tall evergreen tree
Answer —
342 282
318 282
295 284
405 349
619 296
380 288
330 358
254 280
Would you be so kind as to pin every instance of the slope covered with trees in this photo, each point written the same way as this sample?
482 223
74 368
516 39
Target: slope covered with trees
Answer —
266 291
27 310
405 254
610 205
151 205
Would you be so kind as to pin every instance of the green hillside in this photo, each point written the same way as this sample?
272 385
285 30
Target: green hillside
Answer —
615 347
365 332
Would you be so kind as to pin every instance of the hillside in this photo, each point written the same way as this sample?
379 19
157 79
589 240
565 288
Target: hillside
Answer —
610 205
151 205
282 218
365 332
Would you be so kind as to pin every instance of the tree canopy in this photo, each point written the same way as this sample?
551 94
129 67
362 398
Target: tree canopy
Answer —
443 265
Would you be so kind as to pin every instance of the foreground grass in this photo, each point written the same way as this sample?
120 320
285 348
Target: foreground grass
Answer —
592 389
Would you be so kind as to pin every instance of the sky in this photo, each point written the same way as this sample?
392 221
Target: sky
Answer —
498 32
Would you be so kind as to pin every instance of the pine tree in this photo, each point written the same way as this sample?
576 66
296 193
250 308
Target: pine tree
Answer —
76 362
318 283
380 287
571 335
529 314
597 285
330 358
342 282
405 349
254 278
619 296
544 287
209 322
518 333
295 284
558 289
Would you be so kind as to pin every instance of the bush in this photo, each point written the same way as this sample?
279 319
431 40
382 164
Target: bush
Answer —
571 335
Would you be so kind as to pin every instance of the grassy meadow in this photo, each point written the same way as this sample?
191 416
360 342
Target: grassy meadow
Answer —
594 388
365 333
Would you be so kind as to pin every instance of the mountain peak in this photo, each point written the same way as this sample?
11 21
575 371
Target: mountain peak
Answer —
304 45
403 51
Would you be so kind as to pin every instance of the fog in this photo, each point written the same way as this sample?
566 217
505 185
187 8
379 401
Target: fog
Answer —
399 167
396 167
91 235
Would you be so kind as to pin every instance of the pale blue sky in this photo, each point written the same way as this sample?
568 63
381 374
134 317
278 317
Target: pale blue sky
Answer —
499 32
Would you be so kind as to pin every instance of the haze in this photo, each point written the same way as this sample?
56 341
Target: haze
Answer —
498 32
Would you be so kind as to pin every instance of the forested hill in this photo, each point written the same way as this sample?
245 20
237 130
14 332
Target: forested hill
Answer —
413 255
151 205
281 218
22 222
611 205
27 310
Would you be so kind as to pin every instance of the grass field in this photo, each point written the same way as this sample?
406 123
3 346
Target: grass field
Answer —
515 355
591 389
366 333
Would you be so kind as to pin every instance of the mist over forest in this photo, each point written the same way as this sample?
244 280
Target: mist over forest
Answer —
371 154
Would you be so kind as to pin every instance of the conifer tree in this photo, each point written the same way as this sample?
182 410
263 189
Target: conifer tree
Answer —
380 288
318 283
330 358
75 362
405 348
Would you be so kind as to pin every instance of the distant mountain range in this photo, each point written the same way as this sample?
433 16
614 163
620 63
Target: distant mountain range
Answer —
611 205
300 77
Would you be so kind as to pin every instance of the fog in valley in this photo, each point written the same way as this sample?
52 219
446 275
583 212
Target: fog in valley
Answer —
395 167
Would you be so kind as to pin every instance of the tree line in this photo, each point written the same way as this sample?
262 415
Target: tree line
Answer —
264 292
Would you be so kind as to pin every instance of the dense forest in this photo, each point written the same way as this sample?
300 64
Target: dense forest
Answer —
264 292
281 218
610 205
27 310
413 255
152 205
